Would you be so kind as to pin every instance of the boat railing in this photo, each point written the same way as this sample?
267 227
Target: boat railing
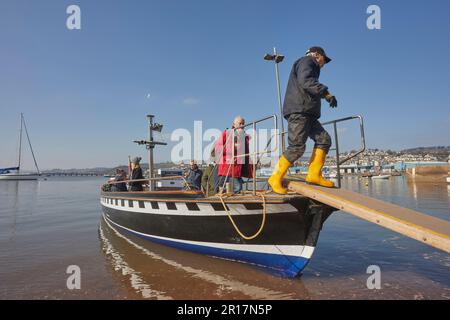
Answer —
148 180
362 148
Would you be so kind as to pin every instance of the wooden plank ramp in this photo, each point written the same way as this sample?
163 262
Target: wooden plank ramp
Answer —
430 230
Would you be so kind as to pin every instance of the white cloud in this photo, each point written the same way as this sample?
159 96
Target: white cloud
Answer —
190 101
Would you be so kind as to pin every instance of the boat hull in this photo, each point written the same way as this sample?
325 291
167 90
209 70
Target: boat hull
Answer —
15 176
284 247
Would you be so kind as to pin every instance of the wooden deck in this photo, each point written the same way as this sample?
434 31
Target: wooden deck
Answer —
430 230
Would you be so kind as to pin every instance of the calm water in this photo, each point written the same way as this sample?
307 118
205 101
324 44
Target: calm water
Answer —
48 225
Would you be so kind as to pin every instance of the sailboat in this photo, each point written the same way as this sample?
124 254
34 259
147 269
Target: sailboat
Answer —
14 173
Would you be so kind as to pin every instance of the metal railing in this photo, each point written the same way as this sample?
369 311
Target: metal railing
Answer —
361 149
336 142
148 180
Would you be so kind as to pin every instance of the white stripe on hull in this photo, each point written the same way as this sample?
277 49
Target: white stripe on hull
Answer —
205 208
290 250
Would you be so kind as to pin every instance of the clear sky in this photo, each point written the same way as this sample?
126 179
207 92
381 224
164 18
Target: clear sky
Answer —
85 93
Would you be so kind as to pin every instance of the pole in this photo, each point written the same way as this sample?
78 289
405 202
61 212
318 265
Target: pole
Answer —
150 151
279 101
20 140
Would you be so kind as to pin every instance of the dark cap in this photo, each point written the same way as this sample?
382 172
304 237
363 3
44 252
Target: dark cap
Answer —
320 51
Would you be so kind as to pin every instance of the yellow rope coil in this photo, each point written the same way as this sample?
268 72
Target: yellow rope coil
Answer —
234 224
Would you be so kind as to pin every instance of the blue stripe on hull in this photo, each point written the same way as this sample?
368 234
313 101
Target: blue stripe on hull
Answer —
277 264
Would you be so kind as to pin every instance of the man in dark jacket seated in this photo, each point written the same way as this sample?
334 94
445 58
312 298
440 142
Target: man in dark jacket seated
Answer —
194 177
120 176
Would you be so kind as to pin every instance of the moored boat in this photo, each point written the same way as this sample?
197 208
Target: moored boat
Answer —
290 225
275 232
14 173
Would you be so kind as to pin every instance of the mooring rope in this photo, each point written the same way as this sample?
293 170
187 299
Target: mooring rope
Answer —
221 197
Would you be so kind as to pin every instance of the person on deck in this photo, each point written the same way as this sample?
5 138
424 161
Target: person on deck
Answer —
120 176
136 174
194 177
209 178
241 162
301 108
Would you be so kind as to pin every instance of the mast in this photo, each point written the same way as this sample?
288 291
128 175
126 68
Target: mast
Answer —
150 145
29 143
150 151
20 140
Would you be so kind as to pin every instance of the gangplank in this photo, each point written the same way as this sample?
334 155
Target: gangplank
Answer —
430 230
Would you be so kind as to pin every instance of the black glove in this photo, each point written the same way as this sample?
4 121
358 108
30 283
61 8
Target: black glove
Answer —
331 100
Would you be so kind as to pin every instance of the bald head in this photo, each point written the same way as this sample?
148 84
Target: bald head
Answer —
238 122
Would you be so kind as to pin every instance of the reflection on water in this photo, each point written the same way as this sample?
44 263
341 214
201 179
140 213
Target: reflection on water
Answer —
159 272
48 225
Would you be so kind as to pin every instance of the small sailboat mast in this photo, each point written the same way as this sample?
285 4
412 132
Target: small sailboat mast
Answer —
29 143
20 142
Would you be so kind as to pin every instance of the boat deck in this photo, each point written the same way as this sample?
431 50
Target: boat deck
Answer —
198 196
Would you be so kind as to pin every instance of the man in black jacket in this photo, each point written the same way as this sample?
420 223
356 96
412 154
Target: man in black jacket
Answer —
301 108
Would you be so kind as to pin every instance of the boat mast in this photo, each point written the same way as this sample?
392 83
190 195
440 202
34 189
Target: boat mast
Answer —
29 142
150 148
20 140
150 145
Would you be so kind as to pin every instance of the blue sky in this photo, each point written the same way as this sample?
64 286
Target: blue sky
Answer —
84 92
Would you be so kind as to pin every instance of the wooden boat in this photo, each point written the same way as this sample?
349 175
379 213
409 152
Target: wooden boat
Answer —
275 232
290 225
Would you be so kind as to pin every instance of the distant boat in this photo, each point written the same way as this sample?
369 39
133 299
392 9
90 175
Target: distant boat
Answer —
382 176
333 175
13 173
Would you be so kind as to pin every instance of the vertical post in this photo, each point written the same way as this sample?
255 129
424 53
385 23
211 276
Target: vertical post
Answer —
255 148
338 168
232 159
279 102
150 152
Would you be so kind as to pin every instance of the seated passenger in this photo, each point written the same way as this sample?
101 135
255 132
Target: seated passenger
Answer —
194 177
120 176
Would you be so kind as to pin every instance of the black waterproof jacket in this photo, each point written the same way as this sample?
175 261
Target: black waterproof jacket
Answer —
304 91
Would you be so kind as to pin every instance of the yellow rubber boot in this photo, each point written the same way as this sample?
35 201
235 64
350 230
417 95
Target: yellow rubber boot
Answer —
315 169
275 181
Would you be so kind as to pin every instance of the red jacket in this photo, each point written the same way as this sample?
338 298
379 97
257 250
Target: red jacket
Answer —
242 165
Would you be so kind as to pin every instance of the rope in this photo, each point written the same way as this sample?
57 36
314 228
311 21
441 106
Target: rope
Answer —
237 228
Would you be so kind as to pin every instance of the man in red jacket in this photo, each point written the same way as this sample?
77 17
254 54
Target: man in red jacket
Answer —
236 161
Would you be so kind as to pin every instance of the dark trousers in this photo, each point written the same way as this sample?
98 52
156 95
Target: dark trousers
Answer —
300 127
